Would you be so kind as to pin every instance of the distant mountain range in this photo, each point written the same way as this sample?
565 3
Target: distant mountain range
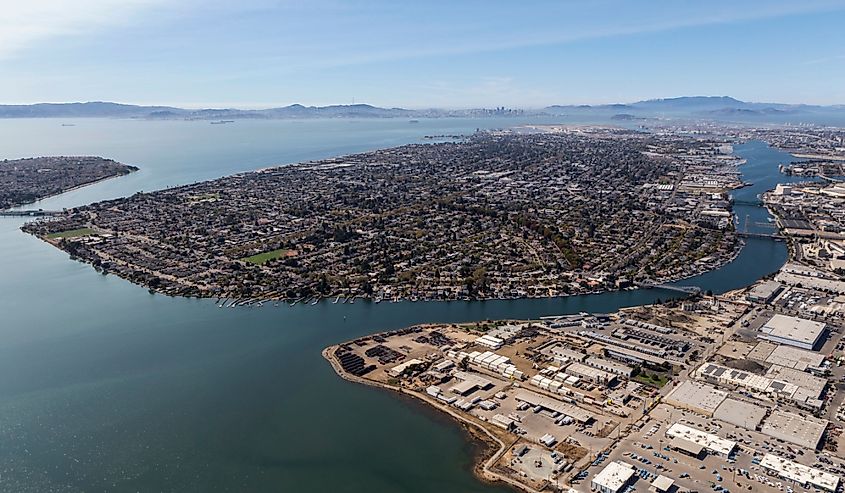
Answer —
100 109
715 107
708 107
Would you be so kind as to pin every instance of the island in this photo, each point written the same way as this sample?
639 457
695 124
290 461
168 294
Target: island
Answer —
23 181
528 212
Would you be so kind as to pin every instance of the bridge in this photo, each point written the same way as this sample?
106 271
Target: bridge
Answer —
671 287
756 203
30 213
772 236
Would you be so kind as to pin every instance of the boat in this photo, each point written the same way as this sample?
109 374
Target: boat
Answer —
336 299
68 124
222 122
413 121
316 300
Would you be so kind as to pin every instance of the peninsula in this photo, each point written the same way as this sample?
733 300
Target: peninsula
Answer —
26 180
532 212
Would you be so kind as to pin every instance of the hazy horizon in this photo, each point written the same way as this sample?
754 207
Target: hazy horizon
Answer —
263 106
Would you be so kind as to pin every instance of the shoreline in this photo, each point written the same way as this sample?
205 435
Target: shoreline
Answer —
229 302
492 447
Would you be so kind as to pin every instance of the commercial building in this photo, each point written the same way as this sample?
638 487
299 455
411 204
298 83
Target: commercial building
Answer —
794 331
563 354
610 366
764 292
503 421
490 341
805 431
810 387
469 383
662 484
554 406
593 374
779 388
613 478
793 357
744 414
691 449
491 361
634 357
801 474
696 397
401 368
712 443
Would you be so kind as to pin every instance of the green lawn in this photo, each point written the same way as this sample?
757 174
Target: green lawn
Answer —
654 379
73 233
262 258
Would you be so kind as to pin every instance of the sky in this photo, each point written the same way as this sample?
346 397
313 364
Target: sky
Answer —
419 54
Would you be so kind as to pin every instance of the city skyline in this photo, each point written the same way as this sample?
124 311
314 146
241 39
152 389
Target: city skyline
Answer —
263 54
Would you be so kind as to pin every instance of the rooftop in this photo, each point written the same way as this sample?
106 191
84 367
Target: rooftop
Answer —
793 329
707 440
615 475
800 473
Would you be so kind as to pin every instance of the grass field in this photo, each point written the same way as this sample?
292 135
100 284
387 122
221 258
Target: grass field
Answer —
654 379
266 256
73 233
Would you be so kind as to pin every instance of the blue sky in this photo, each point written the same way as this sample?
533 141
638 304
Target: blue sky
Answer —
258 53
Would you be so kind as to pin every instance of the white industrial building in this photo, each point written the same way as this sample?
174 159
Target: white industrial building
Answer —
764 292
779 387
490 341
806 431
613 478
610 366
554 406
709 441
593 374
662 484
401 368
793 331
696 397
491 361
801 474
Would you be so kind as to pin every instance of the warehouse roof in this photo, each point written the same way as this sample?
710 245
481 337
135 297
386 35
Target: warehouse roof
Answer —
573 412
693 449
793 357
805 431
696 396
740 413
707 440
662 483
793 328
615 475
800 473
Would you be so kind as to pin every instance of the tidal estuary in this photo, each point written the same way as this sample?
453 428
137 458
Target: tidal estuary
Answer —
105 387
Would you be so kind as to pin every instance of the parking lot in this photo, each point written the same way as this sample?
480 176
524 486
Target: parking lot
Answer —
648 450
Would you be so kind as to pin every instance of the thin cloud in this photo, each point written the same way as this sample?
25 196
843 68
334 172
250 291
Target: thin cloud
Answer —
318 60
27 22
825 60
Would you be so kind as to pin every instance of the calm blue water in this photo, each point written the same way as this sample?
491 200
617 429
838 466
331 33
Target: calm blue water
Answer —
104 387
